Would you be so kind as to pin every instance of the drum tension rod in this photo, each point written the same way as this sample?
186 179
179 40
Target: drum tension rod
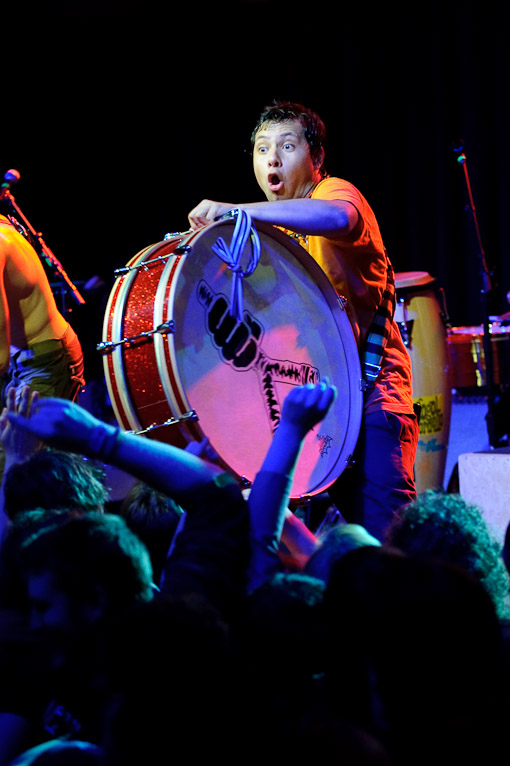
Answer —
177 234
144 266
191 415
164 329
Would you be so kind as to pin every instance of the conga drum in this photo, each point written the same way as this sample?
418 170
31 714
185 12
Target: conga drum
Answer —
180 365
418 314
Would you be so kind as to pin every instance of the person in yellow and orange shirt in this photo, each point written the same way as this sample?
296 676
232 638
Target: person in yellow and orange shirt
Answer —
335 223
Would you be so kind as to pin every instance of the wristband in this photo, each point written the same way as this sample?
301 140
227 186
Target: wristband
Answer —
102 441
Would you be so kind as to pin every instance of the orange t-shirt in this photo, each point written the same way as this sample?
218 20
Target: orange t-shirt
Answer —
356 266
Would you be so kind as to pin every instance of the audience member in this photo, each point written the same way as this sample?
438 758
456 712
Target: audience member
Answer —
338 540
16 444
81 572
417 657
281 635
447 527
155 518
61 753
303 408
54 480
375 654
170 673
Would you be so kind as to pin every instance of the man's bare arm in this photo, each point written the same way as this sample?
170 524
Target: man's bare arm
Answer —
327 218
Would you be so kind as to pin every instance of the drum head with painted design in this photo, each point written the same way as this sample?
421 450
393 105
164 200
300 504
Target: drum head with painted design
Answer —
236 374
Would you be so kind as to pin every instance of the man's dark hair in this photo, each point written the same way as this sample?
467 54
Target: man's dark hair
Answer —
335 544
54 480
153 517
315 130
88 551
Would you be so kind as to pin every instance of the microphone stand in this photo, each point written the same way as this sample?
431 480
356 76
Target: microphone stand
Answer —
38 242
485 293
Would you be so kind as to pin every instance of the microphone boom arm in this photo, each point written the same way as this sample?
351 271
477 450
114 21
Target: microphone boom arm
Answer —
39 243
485 290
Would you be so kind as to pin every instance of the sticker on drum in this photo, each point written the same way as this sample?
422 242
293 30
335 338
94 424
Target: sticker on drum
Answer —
173 349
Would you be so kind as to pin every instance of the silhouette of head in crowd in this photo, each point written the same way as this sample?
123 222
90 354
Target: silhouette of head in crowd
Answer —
339 540
416 659
83 570
446 527
54 480
153 517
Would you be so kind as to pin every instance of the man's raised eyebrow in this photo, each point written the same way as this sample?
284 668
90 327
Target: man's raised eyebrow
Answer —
291 133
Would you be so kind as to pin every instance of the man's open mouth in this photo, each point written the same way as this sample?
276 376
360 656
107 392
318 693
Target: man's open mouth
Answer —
275 182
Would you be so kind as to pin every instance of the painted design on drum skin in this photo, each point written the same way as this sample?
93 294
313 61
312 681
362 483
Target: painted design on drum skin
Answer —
277 371
271 401
239 345
236 341
325 443
286 372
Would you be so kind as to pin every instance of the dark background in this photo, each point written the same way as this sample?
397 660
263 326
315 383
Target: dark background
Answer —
120 118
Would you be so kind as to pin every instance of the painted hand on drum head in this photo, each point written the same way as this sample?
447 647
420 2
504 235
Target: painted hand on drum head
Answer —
207 212
305 406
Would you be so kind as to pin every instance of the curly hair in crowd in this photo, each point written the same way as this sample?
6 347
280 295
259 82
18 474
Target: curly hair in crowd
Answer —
446 527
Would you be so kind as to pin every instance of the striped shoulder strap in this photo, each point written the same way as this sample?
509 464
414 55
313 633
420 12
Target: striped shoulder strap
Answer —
371 356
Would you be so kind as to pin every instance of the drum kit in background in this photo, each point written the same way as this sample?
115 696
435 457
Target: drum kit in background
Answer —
191 350
449 377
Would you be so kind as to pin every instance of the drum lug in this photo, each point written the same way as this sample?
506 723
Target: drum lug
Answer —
350 461
165 328
176 235
342 302
182 249
191 415
139 266
406 332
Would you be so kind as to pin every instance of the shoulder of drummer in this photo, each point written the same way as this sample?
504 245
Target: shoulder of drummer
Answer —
10 240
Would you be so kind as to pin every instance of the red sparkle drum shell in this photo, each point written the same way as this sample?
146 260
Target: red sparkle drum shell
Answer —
419 316
467 355
233 375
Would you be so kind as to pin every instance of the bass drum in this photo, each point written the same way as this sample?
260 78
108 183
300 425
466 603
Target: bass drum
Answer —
420 318
180 368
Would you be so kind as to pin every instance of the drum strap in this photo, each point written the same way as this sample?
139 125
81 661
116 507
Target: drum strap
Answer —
232 257
371 356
